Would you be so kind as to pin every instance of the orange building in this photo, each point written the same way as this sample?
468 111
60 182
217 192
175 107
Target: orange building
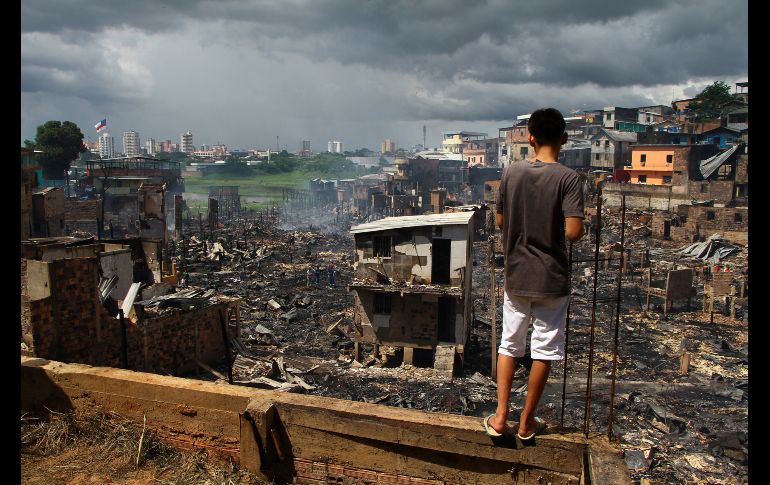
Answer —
651 164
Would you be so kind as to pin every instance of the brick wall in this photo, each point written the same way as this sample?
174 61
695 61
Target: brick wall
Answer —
413 318
721 191
82 215
71 325
742 169
723 222
643 196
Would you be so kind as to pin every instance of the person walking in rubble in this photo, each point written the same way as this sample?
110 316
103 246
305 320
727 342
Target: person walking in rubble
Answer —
330 273
540 201
318 275
309 276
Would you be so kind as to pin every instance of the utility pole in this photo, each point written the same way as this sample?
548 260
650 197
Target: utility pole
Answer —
277 146
423 138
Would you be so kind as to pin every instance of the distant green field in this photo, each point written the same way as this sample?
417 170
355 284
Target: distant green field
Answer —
252 186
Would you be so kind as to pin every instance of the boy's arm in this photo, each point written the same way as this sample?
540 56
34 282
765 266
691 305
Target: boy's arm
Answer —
574 228
572 207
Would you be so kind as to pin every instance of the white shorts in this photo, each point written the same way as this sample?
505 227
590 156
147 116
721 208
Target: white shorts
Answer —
548 317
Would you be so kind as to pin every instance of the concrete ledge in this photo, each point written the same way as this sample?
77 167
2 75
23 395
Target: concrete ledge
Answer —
285 437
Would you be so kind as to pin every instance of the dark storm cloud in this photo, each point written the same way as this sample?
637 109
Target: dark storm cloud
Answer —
604 42
375 60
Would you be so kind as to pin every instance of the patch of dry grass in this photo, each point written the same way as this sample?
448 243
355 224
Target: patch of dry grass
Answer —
105 443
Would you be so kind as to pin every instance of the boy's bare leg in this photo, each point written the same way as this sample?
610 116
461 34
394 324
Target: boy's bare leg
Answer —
538 376
506 365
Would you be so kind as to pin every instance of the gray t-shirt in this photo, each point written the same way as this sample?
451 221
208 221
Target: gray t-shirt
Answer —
535 197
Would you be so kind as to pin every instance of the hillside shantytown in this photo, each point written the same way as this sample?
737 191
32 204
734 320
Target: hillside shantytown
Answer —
374 300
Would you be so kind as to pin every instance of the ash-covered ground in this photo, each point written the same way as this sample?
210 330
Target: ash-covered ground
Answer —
673 426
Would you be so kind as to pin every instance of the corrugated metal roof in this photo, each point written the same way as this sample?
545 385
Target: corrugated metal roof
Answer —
414 221
710 165
629 136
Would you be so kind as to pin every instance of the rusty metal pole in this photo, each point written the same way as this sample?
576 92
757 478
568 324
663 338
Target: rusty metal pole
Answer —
617 314
566 338
493 304
587 413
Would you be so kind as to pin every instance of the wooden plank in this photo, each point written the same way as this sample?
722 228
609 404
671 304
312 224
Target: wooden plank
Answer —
294 426
439 432
366 454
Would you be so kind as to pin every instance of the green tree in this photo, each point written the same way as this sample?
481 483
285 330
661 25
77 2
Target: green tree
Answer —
707 105
61 144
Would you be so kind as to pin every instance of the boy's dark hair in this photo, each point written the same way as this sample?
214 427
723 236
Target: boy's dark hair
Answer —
547 126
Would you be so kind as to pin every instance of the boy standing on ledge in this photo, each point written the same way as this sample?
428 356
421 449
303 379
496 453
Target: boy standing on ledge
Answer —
540 202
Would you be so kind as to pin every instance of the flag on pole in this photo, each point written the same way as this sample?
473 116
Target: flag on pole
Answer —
101 125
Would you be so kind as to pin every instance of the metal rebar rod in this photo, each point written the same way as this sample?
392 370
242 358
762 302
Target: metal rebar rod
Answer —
617 317
226 342
566 338
587 413
493 303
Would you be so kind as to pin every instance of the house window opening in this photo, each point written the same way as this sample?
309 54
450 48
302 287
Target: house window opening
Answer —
382 246
382 303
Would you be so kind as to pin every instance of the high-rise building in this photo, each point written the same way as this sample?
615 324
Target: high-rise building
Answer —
106 145
334 146
186 143
131 145
388 146
152 146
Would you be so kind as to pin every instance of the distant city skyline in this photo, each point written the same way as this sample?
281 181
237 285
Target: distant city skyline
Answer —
360 72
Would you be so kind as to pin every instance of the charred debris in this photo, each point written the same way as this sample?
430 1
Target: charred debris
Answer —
333 294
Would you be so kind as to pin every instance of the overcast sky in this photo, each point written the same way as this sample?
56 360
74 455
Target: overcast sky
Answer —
243 72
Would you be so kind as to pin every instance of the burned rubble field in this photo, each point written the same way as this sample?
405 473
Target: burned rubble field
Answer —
672 426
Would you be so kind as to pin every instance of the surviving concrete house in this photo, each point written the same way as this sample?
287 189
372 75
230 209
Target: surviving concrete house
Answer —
455 141
504 146
651 164
481 152
412 286
723 137
610 149
680 108
615 114
576 154
519 142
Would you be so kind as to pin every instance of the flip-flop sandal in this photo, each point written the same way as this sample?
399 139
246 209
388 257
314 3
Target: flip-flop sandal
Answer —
489 429
541 426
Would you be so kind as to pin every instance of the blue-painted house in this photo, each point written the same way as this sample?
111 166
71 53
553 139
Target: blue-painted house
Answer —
723 136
